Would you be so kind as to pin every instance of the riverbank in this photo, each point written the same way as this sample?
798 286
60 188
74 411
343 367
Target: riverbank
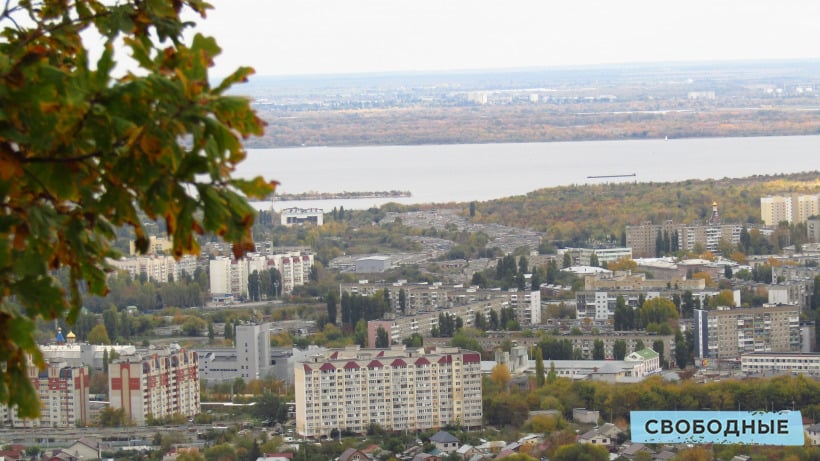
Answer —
345 195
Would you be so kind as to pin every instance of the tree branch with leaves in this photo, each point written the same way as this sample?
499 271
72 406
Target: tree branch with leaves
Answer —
84 149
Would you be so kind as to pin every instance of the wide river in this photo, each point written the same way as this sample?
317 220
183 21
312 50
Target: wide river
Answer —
467 172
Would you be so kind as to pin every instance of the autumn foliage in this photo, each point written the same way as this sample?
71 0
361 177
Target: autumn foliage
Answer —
85 147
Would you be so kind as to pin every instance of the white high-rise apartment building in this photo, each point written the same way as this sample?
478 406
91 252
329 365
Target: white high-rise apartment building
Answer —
398 389
229 277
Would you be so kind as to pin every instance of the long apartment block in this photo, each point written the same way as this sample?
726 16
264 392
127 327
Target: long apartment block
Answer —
398 389
423 303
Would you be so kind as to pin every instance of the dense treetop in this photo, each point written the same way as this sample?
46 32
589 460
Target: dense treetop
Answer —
600 211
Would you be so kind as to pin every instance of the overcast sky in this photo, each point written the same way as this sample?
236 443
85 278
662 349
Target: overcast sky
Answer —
293 37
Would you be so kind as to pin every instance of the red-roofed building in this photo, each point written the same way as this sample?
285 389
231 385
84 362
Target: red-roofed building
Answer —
14 452
397 388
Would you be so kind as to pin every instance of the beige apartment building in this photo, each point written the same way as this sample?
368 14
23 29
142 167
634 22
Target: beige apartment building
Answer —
709 236
790 208
424 303
629 281
730 333
399 389
155 384
159 268
525 305
643 238
156 246
418 297
63 393
813 229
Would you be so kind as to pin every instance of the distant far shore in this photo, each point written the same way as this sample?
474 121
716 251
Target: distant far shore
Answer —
341 195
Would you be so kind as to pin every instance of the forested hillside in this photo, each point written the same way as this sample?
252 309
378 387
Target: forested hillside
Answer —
600 212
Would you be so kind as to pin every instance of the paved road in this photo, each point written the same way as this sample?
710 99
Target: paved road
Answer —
47 437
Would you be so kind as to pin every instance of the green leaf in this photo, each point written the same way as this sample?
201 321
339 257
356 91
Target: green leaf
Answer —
140 51
104 66
256 187
238 76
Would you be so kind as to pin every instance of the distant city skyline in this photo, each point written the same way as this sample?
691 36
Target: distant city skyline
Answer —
302 37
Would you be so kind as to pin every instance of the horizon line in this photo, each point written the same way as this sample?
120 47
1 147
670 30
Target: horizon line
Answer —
531 68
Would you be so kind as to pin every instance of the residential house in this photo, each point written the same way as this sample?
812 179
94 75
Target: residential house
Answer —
445 442
493 446
61 455
513 446
352 454
631 451
467 451
426 457
595 438
665 455
85 449
531 440
813 434
610 430
13 452
276 457
373 450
